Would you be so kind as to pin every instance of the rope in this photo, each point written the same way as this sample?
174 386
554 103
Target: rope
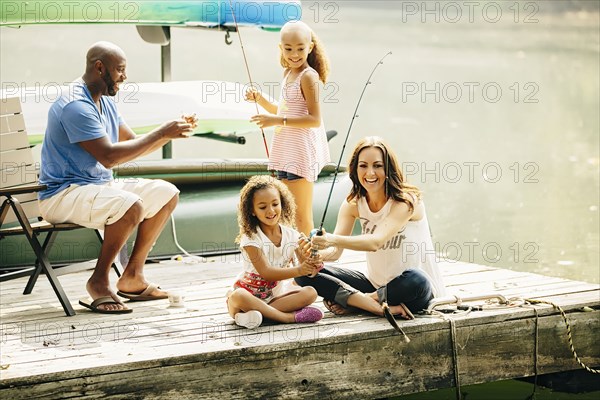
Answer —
569 334
445 316
535 354
463 310
191 259
455 358
514 302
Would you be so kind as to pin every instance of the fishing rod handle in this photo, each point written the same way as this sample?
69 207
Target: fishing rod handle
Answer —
314 252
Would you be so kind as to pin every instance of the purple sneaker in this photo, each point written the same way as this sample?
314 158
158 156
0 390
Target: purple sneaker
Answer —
308 314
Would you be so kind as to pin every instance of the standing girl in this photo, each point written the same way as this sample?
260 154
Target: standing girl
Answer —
299 149
272 255
401 266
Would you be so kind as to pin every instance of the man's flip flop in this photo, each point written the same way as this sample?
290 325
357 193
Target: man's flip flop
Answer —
93 305
145 295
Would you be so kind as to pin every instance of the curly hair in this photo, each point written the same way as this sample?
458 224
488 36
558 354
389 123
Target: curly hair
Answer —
396 186
317 58
247 222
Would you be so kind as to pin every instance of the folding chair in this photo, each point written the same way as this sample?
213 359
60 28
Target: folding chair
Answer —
19 210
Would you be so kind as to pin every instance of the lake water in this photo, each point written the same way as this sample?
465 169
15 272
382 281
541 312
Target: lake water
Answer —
492 108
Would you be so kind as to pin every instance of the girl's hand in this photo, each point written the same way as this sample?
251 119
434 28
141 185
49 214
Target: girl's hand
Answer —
308 267
252 95
266 120
304 247
191 119
317 259
306 250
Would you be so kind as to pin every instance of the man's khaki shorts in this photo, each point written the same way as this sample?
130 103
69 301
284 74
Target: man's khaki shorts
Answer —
95 206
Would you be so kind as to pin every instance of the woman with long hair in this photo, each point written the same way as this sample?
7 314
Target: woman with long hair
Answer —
401 267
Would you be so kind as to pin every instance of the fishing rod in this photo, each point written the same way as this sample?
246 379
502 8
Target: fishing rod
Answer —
390 317
319 231
237 29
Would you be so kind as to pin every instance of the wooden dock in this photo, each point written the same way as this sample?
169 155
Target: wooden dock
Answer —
197 352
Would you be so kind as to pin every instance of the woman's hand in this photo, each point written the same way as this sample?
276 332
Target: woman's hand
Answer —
323 241
266 120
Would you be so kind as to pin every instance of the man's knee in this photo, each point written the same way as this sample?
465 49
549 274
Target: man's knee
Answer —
134 214
172 203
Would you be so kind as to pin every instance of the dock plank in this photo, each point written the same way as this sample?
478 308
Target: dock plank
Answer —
198 352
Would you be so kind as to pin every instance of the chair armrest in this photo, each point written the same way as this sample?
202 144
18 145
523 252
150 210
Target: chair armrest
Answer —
7 192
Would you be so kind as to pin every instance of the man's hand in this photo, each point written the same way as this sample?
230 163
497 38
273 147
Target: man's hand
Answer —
176 129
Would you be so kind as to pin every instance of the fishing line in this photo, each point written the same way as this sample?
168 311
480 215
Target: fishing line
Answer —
319 231
248 71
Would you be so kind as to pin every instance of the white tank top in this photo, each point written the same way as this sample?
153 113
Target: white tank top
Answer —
411 247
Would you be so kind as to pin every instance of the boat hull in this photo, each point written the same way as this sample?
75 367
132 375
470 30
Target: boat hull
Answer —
204 222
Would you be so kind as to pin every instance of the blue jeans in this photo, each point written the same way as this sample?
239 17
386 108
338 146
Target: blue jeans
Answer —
337 284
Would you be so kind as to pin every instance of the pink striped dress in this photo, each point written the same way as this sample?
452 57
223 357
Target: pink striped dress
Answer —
301 151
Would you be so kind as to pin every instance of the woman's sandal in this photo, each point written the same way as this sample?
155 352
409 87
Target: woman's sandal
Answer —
408 315
335 308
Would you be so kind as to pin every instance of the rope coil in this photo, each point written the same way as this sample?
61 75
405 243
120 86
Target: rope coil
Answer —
569 334
513 302
455 358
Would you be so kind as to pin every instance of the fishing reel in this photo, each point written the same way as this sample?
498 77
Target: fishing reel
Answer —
316 231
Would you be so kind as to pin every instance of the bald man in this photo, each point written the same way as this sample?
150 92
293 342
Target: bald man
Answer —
85 138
